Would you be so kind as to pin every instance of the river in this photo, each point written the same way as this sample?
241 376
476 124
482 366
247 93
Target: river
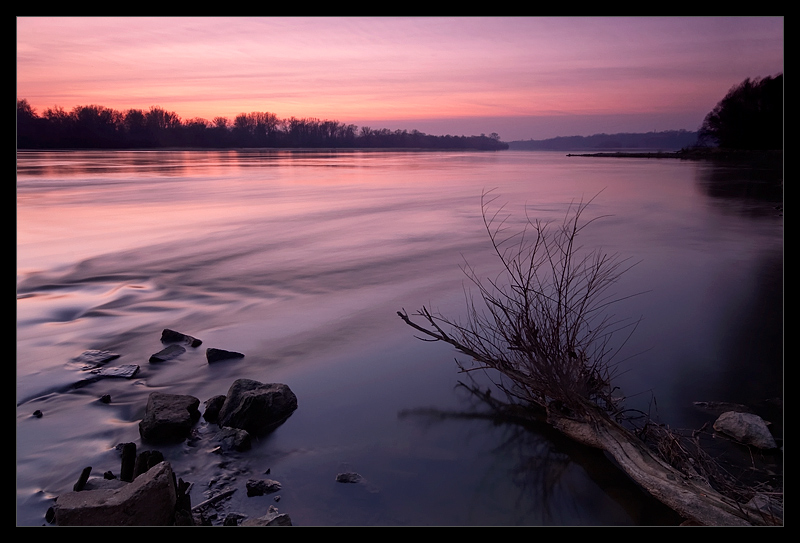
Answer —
301 260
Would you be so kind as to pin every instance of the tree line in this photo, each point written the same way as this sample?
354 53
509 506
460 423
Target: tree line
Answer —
750 116
668 139
93 127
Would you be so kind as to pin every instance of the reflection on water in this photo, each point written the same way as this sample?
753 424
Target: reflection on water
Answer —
301 259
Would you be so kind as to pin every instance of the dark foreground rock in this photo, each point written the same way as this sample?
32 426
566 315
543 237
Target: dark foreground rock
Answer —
256 407
169 417
150 500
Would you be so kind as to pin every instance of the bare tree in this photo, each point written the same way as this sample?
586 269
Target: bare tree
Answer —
543 322
543 332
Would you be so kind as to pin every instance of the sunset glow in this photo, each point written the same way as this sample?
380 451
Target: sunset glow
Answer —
521 77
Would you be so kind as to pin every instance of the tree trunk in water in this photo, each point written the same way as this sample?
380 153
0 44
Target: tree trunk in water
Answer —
690 497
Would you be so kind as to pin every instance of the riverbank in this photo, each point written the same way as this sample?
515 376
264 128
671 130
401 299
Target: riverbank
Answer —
772 158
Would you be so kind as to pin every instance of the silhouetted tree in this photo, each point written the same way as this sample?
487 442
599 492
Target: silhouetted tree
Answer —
27 121
750 116
96 126
162 126
135 129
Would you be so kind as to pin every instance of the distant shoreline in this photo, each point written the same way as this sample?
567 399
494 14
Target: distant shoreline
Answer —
773 157
621 154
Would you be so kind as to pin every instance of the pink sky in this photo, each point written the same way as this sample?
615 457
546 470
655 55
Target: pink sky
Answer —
522 77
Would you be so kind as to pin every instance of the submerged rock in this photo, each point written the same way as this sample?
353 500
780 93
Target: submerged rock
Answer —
126 371
349 477
94 358
167 353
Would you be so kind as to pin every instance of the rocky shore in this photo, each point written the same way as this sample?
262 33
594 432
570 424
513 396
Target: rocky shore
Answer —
146 490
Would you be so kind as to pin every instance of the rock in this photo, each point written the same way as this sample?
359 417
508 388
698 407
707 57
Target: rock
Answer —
38 414
148 501
167 353
233 439
169 417
259 487
215 355
105 398
171 336
349 477
272 518
126 371
212 407
94 358
746 428
256 407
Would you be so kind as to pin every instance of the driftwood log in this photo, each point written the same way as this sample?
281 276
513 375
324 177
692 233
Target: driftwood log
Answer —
690 496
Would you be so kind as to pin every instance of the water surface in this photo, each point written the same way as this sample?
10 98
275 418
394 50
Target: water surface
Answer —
301 259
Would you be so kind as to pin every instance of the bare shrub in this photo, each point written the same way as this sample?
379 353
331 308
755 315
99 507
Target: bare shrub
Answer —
543 322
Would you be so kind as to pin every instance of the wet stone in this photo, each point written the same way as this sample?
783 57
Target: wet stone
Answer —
125 371
167 353
171 336
215 355
94 358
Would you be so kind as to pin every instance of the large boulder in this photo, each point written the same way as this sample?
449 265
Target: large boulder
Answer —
148 501
746 428
256 407
169 417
